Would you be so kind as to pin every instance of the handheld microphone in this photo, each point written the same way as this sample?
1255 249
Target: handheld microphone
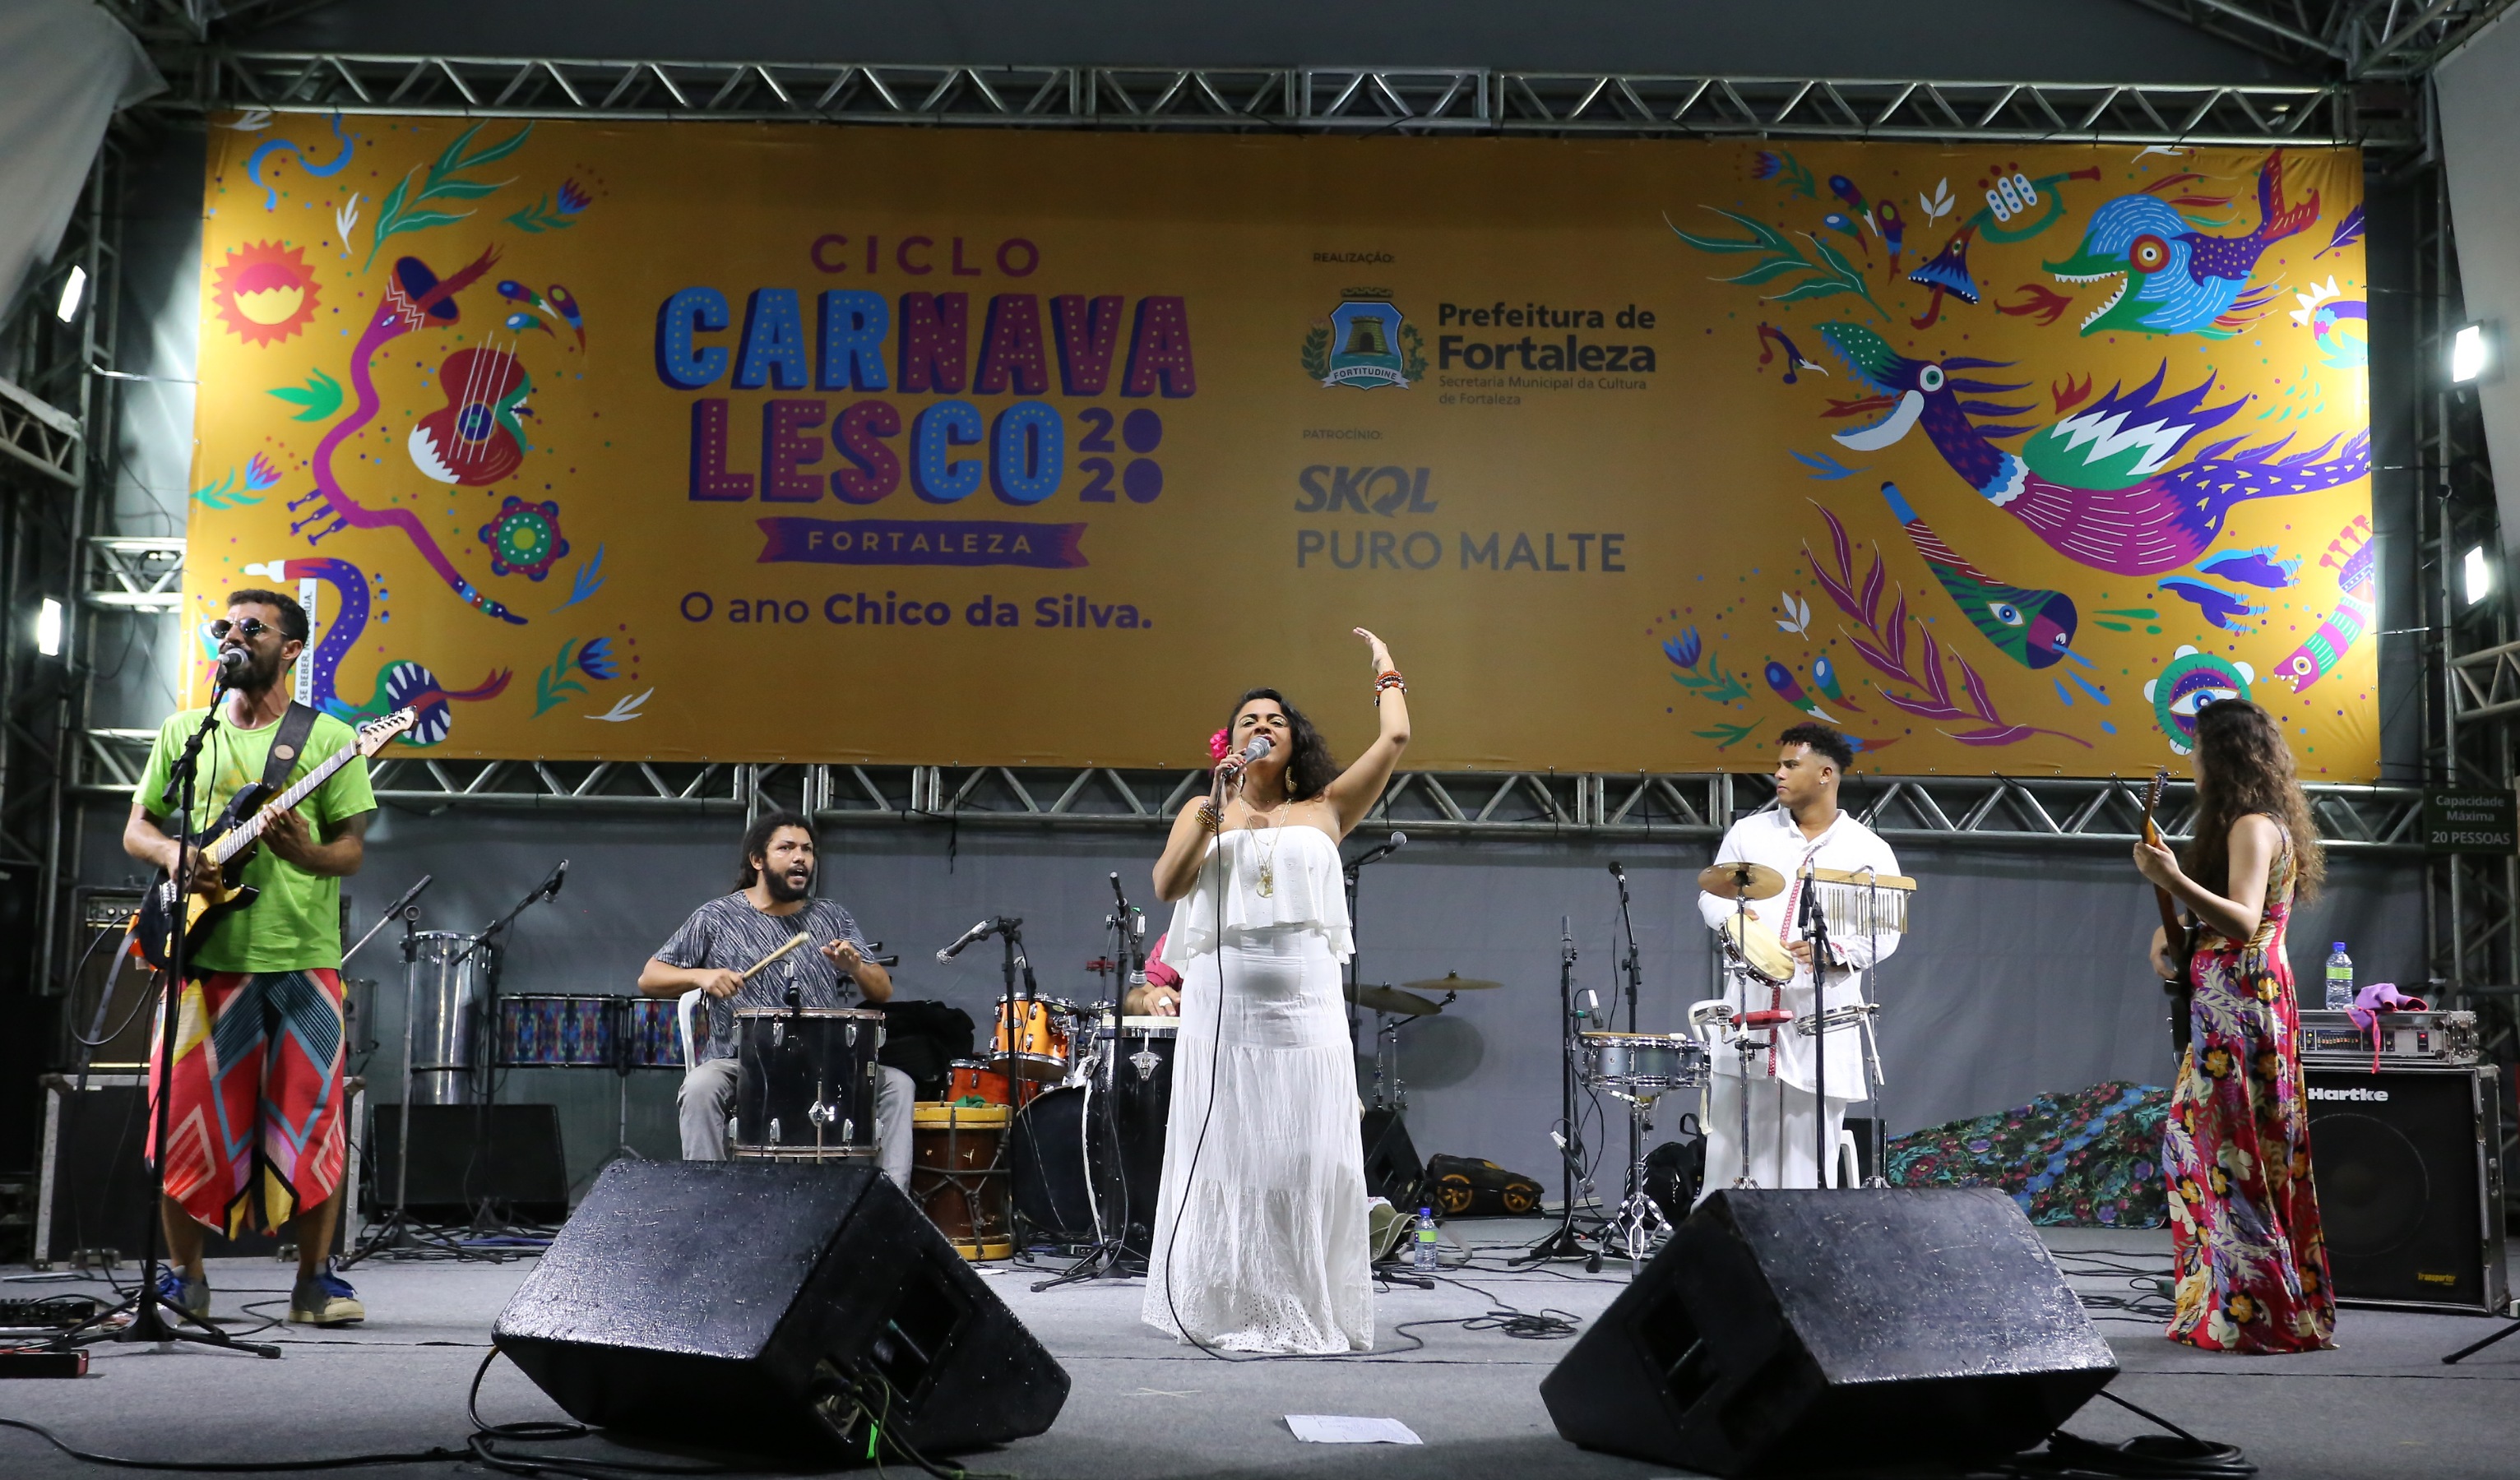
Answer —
980 931
1618 873
1233 765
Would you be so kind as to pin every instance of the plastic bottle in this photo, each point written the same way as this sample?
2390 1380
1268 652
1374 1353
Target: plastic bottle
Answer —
2340 980
1424 1256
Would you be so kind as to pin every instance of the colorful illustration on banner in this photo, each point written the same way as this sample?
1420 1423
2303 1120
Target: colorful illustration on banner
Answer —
445 179
475 439
2223 610
2032 627
524 538
555 211
2097 486
2356 562
264 292
259 474
400 683
1824 274
413 297
2341 326
2172 276
1796 361
1365 343
262 153
2190 680
595 660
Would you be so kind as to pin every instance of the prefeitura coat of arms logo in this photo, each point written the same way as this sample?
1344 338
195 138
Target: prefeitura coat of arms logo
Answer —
1364 344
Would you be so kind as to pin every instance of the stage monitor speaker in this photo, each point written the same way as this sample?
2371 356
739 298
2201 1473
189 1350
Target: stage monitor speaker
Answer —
512 1161
776 1308
2409 1173
1855 1330
1392 1169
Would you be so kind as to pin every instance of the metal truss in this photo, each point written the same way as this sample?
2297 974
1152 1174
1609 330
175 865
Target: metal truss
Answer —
1338 100
38 433
134 573
1991 809
2362 38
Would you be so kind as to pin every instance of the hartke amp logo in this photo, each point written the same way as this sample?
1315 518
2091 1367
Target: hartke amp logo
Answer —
1364 344
2376 1097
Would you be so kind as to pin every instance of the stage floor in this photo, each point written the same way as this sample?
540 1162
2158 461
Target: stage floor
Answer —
1142 1407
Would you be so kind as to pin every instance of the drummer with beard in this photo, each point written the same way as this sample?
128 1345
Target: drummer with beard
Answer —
725 937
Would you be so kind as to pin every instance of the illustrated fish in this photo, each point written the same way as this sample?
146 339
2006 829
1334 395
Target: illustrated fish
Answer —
568 308
2033 628
1844 189
2256 566
2355 559
2219 608
1825 679
1791 689
2173 277
520 322
1837 220
517 293
1795 360
2105 487
2191 680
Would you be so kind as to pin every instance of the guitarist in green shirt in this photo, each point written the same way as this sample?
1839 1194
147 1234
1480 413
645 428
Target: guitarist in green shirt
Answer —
255 1125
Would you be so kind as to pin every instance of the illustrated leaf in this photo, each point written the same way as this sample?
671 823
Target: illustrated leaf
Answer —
321 396
1976 687
1844 270
1775 267
420 218
1937 683
1920 708
451 157
495 152
1879 659
461 190
1896 639
1873 588
1816 288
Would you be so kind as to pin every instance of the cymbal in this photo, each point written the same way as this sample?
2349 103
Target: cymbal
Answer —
1452 981
1741 881
1393 1001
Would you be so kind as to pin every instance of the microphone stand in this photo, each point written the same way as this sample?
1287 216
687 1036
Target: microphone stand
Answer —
488 1220
1630 967
1109 1254
1815 924
152 1320
1562 1242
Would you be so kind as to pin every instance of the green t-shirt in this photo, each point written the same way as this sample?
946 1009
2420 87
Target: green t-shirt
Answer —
295 924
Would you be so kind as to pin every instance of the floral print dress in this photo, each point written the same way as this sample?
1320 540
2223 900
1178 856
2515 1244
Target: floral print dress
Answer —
2249 1258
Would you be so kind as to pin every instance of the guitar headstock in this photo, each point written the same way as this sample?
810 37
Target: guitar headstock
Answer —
376 734
2152 795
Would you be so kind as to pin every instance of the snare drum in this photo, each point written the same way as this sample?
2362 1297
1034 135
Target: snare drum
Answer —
541 1031
959 1176
650 1037
1041 1049
805 1083
1634 1061
1756 951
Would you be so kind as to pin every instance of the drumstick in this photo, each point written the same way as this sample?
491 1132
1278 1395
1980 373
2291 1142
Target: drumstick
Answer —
793 941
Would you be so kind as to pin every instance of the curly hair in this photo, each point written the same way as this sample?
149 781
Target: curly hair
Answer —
1311 770
1824 741
2242 766
756 840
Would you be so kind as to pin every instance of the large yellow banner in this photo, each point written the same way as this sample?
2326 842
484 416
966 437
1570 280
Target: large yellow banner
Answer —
674 441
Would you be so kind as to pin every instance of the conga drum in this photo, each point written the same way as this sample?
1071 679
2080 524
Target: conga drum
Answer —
958 1176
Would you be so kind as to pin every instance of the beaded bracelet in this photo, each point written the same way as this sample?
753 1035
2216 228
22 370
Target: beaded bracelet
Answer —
1389 678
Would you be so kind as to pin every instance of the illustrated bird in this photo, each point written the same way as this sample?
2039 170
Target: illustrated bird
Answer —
1837 220
568 308
1789 687
2104 487
1825 679
2255 566
1844 189
2174 277
2033 628
517 293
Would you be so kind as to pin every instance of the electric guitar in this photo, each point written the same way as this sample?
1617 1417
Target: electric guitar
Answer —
2181 989
229 840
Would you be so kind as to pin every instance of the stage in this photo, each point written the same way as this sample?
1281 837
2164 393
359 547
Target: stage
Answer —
1142 1407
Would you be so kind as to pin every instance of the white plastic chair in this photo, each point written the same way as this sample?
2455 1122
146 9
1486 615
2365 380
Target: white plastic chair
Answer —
683 1009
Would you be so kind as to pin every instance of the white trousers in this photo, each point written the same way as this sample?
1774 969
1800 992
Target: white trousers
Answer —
1782 1149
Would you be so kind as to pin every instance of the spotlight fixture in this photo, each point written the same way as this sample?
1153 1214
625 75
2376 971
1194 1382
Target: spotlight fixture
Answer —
48 628
2476 354
73 292
2476 577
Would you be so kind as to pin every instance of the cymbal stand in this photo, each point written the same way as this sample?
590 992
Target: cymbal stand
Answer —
1562 1242
1386 1050
1108 1257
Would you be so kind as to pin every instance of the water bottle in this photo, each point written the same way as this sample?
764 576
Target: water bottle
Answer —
1424 1257
2340 980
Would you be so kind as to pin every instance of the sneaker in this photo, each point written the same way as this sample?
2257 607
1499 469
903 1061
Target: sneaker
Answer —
185 1293
325 1298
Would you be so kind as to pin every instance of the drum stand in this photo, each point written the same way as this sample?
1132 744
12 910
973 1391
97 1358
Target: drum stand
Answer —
1638 1218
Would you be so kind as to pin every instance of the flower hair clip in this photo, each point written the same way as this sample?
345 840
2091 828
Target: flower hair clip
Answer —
1218 745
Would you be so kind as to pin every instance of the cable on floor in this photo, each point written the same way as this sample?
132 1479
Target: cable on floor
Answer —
2176 1455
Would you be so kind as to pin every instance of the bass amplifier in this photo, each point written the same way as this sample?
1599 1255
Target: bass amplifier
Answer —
2408 1166
2446 1038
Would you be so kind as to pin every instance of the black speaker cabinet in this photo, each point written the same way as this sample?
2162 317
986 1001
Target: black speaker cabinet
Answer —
1392 1169
2408 1166
1852 1329
464 1154
773 1307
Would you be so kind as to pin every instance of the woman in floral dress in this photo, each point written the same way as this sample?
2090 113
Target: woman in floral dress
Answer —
2250 1261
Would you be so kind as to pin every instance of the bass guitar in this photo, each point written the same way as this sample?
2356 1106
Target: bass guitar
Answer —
2181 989
229 841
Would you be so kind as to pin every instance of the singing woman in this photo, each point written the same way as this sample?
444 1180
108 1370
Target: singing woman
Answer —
2249 1258
1260 1240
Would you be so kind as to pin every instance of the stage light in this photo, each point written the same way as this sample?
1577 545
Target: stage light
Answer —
48 628
2472 353
73 290
2476 575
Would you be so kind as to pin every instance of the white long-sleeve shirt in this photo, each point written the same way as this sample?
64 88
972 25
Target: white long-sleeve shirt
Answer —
1771 838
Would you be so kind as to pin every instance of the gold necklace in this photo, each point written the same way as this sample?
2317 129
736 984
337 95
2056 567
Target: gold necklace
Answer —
1268 888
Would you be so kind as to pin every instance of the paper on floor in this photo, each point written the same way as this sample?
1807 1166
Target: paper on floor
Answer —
1341 1429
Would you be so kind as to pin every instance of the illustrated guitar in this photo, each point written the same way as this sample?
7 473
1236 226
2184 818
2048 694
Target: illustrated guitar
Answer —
2182 989
230 840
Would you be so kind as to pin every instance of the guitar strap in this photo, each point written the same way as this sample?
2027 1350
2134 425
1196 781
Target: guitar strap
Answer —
289 747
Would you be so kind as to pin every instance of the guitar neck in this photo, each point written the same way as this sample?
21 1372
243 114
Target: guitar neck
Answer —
246 832
2169 903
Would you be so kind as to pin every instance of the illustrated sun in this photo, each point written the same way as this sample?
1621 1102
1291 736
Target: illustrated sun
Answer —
265 291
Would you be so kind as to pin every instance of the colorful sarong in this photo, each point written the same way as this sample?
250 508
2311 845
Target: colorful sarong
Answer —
257 1098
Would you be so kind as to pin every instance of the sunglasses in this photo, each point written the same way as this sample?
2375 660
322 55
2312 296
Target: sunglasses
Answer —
250 629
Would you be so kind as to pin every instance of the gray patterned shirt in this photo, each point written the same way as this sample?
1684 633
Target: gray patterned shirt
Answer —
728 934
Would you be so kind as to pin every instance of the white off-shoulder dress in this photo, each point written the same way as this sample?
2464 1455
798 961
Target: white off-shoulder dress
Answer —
1260 1239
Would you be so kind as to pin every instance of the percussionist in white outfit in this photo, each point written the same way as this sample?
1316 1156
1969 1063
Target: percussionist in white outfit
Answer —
1804 829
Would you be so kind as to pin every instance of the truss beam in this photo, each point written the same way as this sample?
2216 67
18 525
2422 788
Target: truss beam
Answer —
133 573
39 434
1408 100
